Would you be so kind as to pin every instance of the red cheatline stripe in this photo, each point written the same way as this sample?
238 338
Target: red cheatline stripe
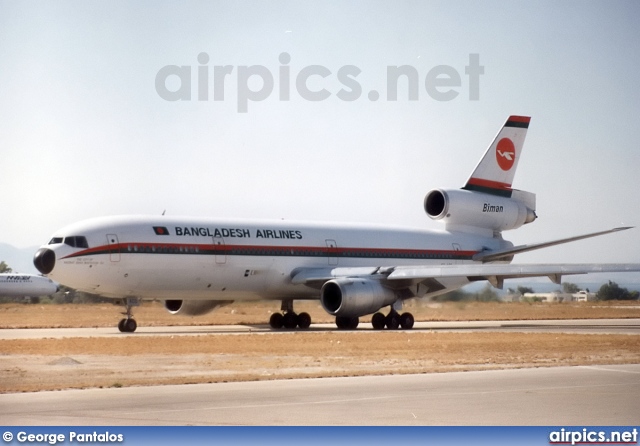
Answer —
525 119
124 248
488 183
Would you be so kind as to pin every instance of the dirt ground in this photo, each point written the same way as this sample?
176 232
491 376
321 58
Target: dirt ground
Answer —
250 313
51 364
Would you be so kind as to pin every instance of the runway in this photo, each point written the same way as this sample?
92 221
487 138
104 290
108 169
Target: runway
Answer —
586 326
587 395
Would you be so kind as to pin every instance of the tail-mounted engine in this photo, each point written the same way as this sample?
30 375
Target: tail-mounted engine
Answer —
194 307
472 211
355 297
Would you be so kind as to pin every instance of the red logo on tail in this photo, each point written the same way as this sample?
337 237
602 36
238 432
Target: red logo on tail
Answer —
505 154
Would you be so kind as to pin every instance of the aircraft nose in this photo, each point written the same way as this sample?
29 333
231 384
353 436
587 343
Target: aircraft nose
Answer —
44 260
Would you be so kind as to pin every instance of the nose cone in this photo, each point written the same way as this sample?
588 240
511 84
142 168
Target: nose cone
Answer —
44 260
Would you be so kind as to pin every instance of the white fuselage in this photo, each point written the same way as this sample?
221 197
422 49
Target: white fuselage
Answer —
190 258
26 285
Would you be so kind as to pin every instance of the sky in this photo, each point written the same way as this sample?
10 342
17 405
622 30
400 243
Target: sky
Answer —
89 124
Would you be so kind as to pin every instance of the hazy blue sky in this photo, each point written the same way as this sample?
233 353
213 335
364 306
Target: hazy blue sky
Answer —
84 133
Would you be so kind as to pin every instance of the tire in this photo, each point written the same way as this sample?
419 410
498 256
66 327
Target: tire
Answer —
393 321
121 326
130 325
342 322
290 320
407 321
353 323
304 320
276 320
378 321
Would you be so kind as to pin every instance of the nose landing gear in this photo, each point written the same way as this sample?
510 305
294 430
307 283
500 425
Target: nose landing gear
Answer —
129 324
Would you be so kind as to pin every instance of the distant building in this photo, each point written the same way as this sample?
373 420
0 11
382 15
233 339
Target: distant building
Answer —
555 296
584 296
559 296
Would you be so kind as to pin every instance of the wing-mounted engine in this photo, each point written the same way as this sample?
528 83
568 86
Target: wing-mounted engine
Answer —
354 297
478 212
194 307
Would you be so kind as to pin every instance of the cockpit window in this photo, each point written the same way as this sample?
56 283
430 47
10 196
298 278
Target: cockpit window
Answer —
55 240
76 241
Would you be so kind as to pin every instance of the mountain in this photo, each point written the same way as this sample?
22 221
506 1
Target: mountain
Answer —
20 260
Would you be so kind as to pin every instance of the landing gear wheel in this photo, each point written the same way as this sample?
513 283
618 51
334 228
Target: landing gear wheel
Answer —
347 323
131 325
276 320
406 321
290 320
304 320
127 325
378 321
393 321
342 322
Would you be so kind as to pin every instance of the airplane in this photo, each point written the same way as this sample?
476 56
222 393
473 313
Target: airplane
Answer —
26 285
197 264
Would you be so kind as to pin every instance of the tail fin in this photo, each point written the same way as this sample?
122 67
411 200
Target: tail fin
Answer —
495 171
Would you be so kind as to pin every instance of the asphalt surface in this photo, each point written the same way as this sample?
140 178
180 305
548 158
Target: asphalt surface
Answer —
593 395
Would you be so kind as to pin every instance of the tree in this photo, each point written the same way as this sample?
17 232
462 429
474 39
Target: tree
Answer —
487 295
613 291
570 288
4 268
524 289
452 296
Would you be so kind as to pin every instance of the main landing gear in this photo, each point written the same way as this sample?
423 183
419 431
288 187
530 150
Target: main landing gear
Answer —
392 321
289 319
129 324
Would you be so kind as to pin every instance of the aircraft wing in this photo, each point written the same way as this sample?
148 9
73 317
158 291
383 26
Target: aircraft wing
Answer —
315 277
496 274
492 256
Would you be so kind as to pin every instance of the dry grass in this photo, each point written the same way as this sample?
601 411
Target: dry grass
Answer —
51 364
251 313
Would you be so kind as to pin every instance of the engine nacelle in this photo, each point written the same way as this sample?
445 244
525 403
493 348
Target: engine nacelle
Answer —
354 297
468 210
194 307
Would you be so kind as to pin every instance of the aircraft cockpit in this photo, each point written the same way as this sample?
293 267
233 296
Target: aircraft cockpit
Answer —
75 241
45 258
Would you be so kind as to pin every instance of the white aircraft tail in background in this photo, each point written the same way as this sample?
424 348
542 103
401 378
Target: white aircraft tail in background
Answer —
198 264
26 285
